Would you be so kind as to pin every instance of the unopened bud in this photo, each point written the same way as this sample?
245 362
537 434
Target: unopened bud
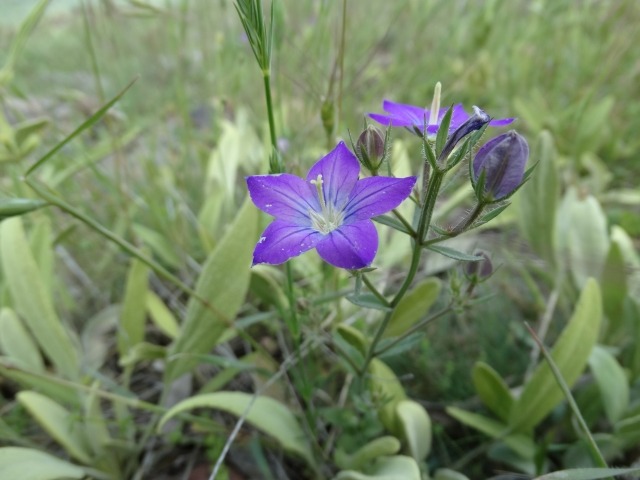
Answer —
500 163
370 148
475 122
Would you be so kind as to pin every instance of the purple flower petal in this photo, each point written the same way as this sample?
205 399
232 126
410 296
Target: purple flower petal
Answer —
351 246
458 116
339 170
501 122
374 196
282 240
387 120
410 113
284 196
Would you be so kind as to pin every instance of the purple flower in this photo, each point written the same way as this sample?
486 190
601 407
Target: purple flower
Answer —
331 211
502 159
414 118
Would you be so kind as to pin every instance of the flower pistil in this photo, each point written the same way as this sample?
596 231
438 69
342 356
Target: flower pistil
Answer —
330 217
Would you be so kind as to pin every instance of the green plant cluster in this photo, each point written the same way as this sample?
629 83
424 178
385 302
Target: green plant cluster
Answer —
136 340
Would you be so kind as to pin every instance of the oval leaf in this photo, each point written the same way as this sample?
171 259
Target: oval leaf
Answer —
413 306
587 473
612 383
223 282
570 353
264 413
57 422
32 301
29 464
17 343
415 428
492 390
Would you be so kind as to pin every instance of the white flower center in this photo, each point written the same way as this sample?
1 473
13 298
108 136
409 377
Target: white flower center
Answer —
330 217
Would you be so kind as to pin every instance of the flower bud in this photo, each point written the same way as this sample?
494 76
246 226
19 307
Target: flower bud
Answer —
479 269
370 148
475 122
500 163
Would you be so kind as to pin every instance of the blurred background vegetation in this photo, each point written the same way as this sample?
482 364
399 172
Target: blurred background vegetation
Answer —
164 169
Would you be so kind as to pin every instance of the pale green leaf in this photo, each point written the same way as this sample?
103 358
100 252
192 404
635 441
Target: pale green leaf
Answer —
413 306
365 455
588 473
582 239
32 301
133 312
448 474
159 245
492 390
570 353
612 383
386 391
37 381
28 464
17 343
223 283
59 423
264 413
519 443
538 199
397 467
161 316
414 425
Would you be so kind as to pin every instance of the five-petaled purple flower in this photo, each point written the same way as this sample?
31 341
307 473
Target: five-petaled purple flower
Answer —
331 211
414 118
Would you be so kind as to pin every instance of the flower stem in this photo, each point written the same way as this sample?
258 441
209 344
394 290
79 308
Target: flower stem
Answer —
266 77
374 290
423 226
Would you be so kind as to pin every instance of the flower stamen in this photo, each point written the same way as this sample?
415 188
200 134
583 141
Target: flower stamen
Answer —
330 217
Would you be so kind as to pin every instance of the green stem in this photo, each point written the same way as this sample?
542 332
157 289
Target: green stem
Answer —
404 222
423 227
266 77
374 290
414 328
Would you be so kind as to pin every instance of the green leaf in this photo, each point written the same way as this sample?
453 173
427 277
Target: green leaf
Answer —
159 245
448 474
519 443
453 253
223 282
386 391
614 288
612 383
397 467
29 464
588 473
13 207
570 353
32 302
86 124
414 427
353 337
38 381
264 413
538 199
368 300
413 306
59 423
582 239
393 223
365 455
492 390
161 316
133 312
17 343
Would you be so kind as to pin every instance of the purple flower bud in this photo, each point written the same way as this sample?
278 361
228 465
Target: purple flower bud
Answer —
502 160
475 122
370 148
480 269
